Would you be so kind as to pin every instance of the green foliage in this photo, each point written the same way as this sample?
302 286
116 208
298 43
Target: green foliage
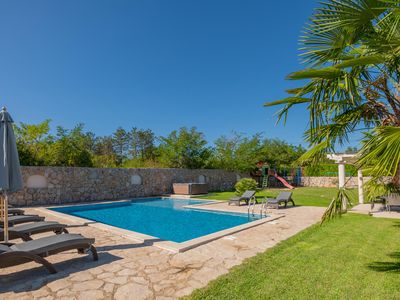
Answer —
142 144
186 148
245 184
381 151
351 53
330 170
338 206
352 70
237 152
120 143
103 153
291 100
378 187
280 154
34 142
71 148
242 153
142 163
138 148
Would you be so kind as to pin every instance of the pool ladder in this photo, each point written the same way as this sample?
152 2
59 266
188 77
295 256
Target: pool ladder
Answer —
252 205
263 207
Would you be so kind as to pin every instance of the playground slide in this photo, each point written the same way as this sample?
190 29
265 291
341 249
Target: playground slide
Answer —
285 183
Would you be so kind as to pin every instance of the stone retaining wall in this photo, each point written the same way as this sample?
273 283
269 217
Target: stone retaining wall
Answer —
329 181
60 185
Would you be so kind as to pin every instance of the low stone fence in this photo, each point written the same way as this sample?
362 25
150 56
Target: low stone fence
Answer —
329 181
60 185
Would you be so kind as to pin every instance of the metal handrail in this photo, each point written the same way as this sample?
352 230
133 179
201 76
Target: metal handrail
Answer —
250 205
263 207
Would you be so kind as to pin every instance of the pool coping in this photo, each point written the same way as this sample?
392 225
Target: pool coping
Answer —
154 241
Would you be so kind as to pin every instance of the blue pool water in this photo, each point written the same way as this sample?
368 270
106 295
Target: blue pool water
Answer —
164 218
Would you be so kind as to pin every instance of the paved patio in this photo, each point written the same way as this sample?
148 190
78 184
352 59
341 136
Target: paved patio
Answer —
379 211
132 270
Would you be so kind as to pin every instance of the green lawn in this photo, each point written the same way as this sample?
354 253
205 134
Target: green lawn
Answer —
354 257
309 196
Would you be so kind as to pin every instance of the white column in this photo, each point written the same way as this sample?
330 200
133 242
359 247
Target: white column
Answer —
360 187
342 180
342 174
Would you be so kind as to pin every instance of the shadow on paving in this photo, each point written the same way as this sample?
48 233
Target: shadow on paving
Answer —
34 278
147 243
387 266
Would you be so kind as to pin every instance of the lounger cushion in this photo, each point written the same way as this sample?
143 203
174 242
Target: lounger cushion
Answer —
18 211
23 219
285 196
52 243
246 196
4 248
30 228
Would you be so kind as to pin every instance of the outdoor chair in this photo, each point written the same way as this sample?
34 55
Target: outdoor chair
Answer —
36 250
392 200
13 220
25 231
283 197
15 211
247 195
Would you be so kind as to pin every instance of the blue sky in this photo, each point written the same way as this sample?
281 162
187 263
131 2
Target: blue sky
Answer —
152 64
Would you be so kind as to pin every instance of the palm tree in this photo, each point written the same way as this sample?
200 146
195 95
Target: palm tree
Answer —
351 50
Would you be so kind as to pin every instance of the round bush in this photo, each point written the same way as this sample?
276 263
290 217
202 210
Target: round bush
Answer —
245 184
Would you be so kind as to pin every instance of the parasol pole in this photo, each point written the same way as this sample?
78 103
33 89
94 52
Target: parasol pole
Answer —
1 209
5 217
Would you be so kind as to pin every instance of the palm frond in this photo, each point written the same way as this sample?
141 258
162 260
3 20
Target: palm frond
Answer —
325 73
288 100
362 61
315 154
337 206
382 150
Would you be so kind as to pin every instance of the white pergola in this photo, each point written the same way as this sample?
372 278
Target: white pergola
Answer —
343 159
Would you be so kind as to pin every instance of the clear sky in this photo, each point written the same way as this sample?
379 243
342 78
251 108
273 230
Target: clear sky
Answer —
158 64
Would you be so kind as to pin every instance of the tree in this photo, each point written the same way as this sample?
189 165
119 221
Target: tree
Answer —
279 154
186 148
33 142
142 144
120 142
72 148
104 155
351 52
237 153
351 150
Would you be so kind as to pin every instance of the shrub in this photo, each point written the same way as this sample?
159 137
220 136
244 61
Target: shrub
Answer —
330 170
245 184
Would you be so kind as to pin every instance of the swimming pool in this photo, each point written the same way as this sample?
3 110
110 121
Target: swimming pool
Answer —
164 218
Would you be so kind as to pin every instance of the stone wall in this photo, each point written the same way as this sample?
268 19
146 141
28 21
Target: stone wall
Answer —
329 181
60 185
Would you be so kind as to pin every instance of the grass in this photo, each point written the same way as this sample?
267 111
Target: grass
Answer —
307 196
353 257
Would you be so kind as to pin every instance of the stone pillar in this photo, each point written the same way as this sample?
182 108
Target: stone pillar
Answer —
342 174
342 180
360 187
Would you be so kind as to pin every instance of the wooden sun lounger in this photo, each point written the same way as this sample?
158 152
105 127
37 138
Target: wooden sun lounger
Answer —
25 231
19 219
36 250
15 211
247 195
283 197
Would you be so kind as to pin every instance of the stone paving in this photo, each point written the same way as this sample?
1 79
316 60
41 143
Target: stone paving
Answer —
132 270
379 211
